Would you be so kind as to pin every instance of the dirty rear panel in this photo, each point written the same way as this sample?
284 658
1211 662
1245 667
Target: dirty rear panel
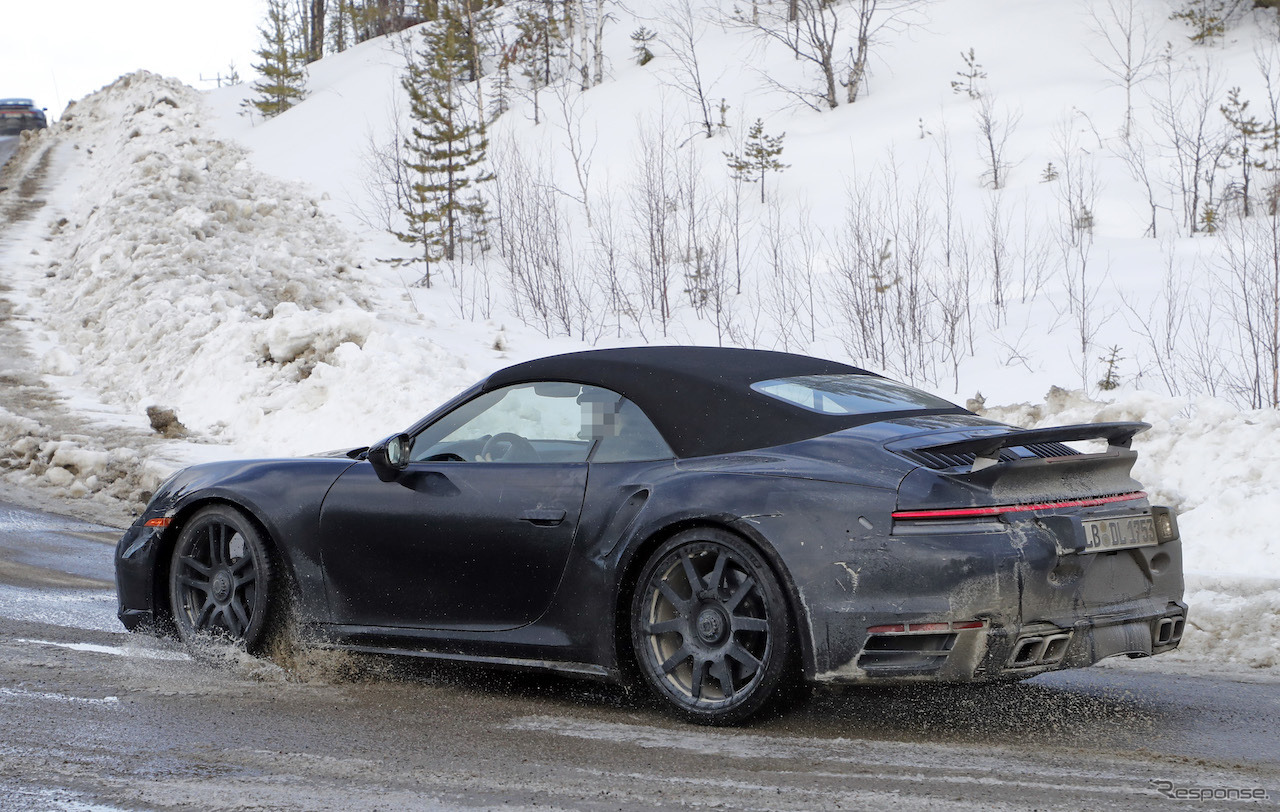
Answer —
960 589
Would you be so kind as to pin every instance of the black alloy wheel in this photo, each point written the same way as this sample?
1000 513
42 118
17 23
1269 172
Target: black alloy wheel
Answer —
220 579
710 627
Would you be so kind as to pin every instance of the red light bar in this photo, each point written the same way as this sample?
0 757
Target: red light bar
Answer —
163 521
897 628
909 628
961 513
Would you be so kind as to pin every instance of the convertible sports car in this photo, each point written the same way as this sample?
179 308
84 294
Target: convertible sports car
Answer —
17 115
719 525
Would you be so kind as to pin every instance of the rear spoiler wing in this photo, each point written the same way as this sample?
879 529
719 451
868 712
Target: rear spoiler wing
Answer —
986 450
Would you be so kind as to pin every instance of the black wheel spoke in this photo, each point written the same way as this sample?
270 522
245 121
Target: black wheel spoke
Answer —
241 616
675 624
699 668
188 561
239 566
745 623
750 664
233 622
248 578
724 675
194 583
691 575
743 590
673 662
681 604
717 571
216 542
206 614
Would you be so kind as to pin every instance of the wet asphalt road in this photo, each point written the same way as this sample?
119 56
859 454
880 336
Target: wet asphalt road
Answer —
8 143
93 718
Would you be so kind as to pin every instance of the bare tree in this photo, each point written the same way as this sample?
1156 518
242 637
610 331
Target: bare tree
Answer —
1251 260
1128 53
586 20
994 130
1134 154
788 251
580 152
1076 187
951 290
812 29
871 18
653 211
686 32
1185 112
385 179
1162 325
998 259
550 284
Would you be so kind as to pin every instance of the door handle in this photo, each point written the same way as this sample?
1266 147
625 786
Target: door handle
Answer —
543 517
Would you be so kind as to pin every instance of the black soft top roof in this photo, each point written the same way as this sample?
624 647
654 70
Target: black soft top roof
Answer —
699 398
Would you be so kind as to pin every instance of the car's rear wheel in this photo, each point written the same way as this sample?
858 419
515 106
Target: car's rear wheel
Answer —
221 579
710 627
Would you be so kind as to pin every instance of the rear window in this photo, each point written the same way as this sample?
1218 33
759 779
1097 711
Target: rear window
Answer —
849 394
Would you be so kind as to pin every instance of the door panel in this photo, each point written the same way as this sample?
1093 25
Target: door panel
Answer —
450 545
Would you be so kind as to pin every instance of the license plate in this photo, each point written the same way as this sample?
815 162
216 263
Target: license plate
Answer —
1119 534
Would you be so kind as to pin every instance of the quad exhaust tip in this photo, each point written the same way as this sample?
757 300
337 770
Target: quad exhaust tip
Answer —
1046 649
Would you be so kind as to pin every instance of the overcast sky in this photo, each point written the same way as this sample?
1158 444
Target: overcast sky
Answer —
56 51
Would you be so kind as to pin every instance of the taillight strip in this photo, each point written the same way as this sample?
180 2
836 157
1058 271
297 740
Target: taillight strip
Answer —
960 513
910 628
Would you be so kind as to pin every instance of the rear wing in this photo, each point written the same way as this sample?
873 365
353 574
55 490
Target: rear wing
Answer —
986 449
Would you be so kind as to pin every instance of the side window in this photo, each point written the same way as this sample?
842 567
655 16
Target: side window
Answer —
623 433
542 422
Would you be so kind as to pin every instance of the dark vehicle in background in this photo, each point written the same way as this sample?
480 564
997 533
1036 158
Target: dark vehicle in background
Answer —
722 526
17 115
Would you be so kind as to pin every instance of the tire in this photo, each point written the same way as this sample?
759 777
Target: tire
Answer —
221 580
710 628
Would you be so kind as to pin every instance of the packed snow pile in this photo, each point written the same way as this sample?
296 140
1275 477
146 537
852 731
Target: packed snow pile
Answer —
181 276
1218 468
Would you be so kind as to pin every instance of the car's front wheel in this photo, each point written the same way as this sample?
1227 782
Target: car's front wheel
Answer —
220 579
710 627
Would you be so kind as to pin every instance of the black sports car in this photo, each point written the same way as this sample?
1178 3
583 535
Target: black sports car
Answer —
721 525
17 115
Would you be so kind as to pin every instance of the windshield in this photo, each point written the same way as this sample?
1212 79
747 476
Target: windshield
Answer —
849 394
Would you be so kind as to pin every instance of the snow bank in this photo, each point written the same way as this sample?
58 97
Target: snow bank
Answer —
184 277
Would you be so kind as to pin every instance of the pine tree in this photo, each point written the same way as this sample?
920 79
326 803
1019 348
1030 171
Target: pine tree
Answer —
283 75
642 37
759 158
1249 139
539 47
970 76
446 148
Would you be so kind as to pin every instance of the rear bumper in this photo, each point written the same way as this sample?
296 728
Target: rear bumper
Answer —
992 606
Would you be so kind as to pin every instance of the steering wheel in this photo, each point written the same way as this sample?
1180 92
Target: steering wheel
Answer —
508 447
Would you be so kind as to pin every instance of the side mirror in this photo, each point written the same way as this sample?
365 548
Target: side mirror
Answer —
391 456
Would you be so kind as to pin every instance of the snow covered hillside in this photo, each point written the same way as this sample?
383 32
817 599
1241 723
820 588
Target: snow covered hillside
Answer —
236 272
